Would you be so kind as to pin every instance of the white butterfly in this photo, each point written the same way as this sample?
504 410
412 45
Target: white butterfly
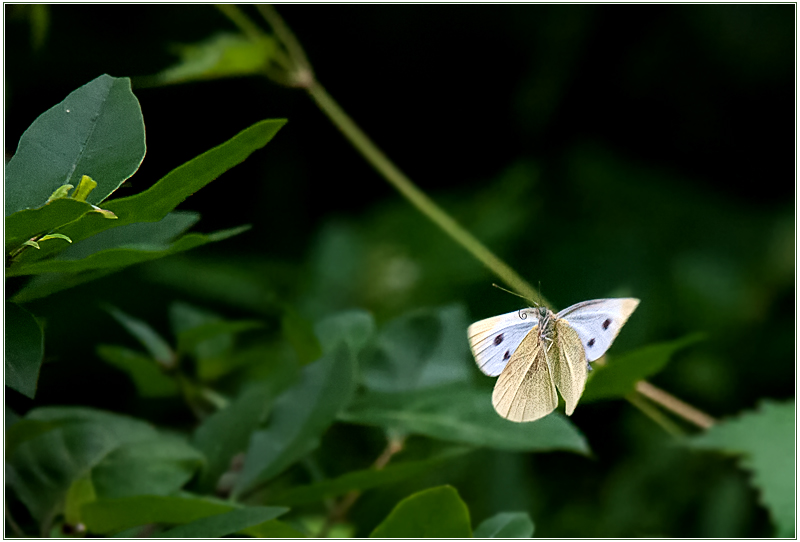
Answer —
534 351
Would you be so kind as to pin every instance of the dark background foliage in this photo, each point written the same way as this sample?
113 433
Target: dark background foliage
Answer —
602 150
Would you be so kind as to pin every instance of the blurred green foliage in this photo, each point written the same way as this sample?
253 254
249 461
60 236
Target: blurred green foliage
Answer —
311 374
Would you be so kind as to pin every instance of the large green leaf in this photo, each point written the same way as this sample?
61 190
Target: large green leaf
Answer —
136 235
231 522
97 131
420 349
227 432
462 413
300 333
223 55
41 469
364 479
506 525
24 350
149 379
155 466
118 258
765 438
23 225
433 513
106 516
300 417
154 203
619 377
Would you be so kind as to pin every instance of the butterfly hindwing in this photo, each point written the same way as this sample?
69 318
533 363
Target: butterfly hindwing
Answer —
525 391
569 367
494 340
598 322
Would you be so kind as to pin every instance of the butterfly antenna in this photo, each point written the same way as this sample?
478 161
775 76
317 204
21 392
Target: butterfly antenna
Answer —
516 294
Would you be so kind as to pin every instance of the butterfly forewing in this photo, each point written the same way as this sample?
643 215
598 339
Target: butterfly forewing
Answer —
569 364
525 391
494 340
598 322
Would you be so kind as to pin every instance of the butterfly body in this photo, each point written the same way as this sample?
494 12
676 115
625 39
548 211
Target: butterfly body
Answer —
536 351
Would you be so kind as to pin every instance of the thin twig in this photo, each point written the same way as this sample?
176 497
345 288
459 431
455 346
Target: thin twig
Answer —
654 414
417 197
672 403
430 209
238 17
286 36
339 512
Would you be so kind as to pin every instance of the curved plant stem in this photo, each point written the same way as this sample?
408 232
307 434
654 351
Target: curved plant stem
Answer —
654 414
673 404
304 78
415 196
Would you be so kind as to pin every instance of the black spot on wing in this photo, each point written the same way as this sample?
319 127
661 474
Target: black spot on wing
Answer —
590 343
507 356
498 339
607 323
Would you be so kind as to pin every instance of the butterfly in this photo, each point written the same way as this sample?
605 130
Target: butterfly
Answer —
534 351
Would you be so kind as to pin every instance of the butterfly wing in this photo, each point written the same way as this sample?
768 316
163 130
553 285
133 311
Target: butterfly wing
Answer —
525 391
598 322
569 368
494 340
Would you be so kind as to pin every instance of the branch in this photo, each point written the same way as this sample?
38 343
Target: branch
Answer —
672 403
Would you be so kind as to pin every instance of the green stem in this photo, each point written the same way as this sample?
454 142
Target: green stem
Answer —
654 414
238 17
415 196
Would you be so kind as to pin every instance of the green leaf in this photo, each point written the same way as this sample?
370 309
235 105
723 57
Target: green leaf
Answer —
119 258
154 203
149 379
24 350
237 282
227 432
619 377
191 340
460 413
433 513
765 438
354 327
97 131
29 223
420 349
223 55
43 467
231 522
300 417
365 479
156 466
273 529
43 285
80 492
300 334
106 516
184 317
506 525
137 235
55 236
156 346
